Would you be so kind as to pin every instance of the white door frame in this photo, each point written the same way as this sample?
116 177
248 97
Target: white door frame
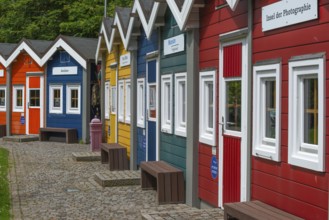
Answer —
28 75
244 114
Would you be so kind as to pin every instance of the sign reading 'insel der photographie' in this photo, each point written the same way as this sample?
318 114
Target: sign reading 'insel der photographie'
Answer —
173 45
288 12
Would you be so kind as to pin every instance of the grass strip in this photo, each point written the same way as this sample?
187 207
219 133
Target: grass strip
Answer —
4 185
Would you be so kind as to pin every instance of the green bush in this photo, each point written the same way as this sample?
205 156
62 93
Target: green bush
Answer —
4 186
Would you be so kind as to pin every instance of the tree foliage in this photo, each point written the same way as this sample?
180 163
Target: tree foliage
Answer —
46 19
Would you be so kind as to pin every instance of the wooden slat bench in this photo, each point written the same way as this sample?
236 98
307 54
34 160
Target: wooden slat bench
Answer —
166 179
255 210
115 155
2 130
68 135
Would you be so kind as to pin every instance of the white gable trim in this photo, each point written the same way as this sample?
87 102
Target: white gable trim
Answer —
232 4
181 16
2 61
102 33
23 46
124 38
61 43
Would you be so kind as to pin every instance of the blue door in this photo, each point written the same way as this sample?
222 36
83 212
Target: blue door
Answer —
152 114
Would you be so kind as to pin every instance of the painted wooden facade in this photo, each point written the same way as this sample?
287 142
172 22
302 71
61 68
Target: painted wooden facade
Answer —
5 50
172 147
72 79
27 85
214 23
298 189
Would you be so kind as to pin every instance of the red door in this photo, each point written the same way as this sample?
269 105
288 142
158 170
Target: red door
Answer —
34 104
231 115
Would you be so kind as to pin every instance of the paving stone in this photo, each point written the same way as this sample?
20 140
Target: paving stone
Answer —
86 156
117 178
47 183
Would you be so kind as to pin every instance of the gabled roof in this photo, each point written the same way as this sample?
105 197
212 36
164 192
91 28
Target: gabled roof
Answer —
232 4
35 48
5 50
81 49
182 9
104 36
120 26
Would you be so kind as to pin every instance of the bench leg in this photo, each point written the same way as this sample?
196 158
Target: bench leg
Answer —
147 181
104 156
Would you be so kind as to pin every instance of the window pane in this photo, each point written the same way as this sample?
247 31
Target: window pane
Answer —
152 101
183 101
168 101
2 97
57 98
311 111
270 109
113 100
34 98
19 98
128 101
210 91
74 98
233 105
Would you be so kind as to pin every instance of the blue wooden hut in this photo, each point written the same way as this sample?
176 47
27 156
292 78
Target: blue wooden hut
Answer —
72 84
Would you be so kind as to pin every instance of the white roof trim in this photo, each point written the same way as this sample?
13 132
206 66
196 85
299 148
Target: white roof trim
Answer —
181 17
61 43
2 61
232 4
23 46
100 38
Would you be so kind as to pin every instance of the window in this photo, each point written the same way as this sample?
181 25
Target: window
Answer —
121 101
127 115
64 57
306 114
140 102
166 103
2 98
152 92
73 99
207 108
266 115
34 98
113 100
233 105
107 100
180 104
18 97
56 99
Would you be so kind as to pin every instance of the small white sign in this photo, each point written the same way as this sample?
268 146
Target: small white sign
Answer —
125 60
2 73
288 12
173 45
67 70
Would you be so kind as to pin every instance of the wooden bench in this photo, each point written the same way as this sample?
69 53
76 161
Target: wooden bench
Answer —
166 179
255 210
68 135
2 130
115 155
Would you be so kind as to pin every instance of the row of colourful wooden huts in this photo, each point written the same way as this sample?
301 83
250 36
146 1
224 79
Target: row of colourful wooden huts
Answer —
231 92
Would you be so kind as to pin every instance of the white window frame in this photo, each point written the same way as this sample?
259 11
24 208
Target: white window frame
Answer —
15 107
113 102
3 108
107 100
127 102
69 109
141 102
299 70
52 109
121 100
267 148
166 122
180 125
207 135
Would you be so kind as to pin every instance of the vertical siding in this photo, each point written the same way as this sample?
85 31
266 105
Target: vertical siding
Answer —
296 190
3 84
110 75
64 120
124 128
172 147
212 24
232 60
19 69
144 46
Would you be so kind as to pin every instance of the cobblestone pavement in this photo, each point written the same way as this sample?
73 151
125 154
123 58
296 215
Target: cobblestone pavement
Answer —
46 183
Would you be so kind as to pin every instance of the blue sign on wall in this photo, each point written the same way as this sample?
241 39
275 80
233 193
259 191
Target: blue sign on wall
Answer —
214 167
22 120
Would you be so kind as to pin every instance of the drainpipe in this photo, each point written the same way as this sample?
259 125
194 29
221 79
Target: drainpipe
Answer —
133 109
8 101
103 69
249 101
